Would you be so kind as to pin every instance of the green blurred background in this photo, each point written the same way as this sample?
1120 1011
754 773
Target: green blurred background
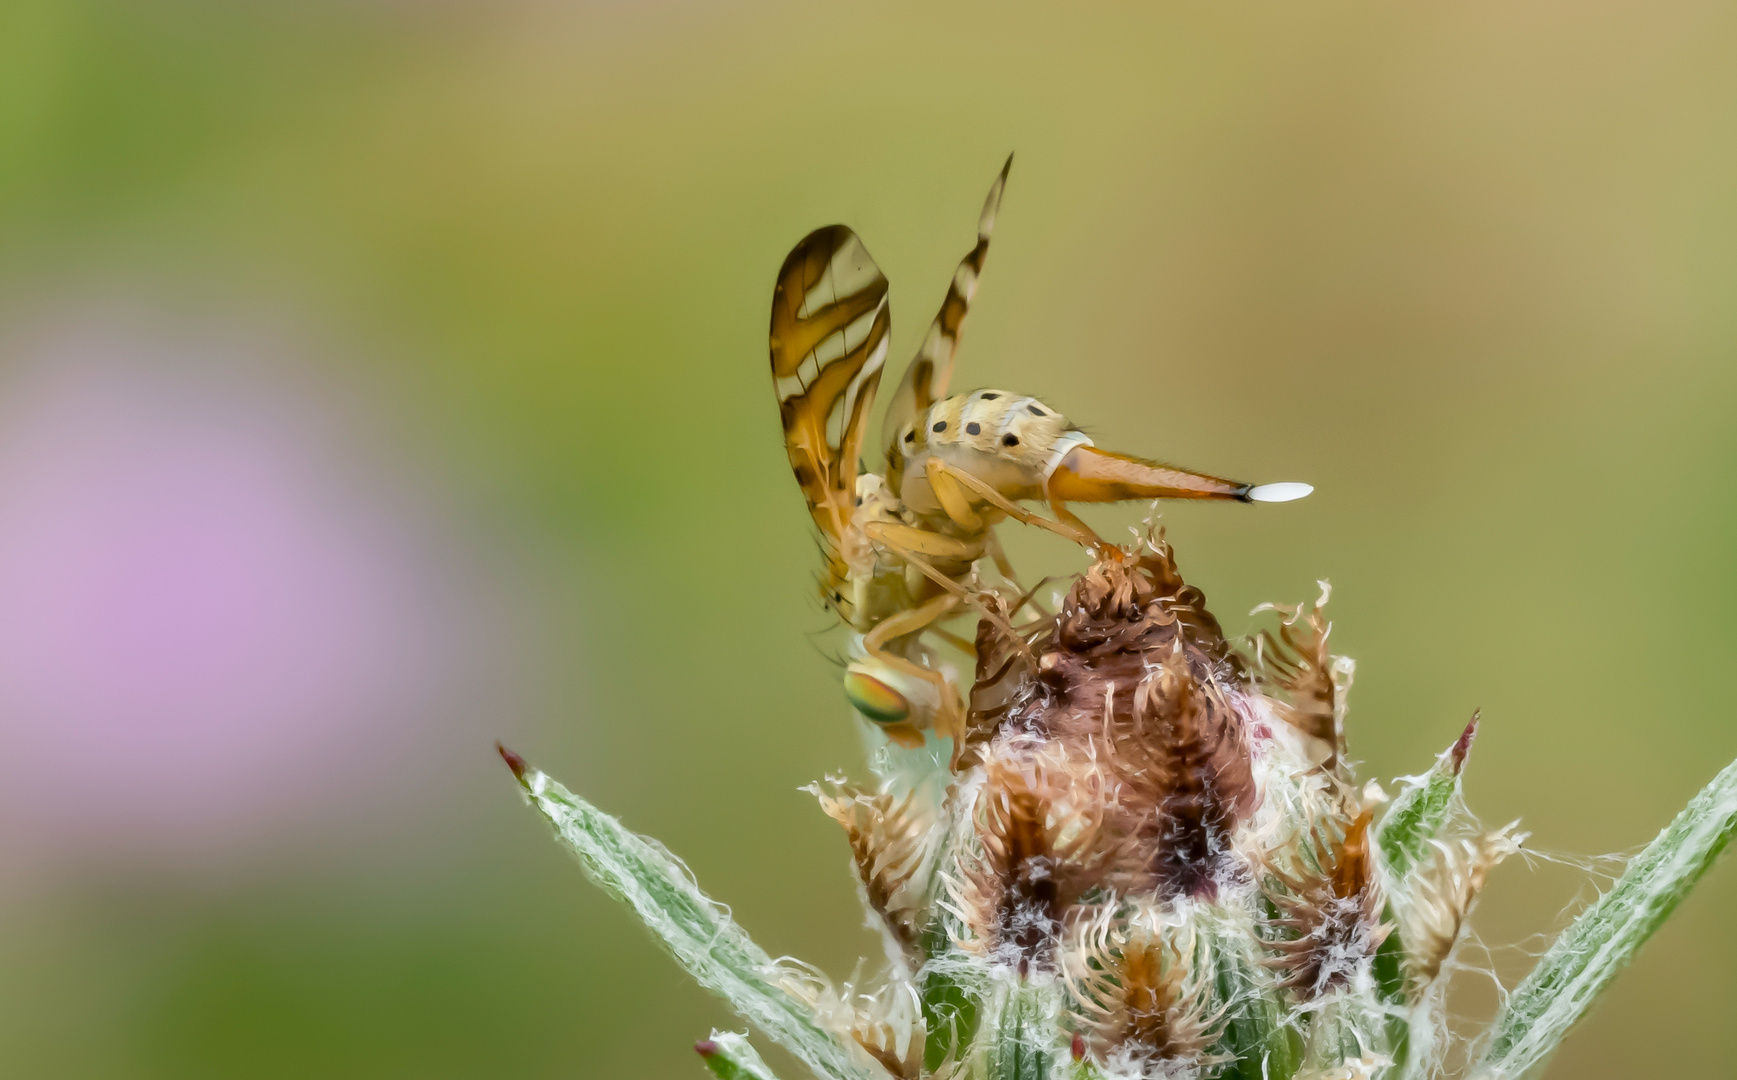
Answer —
384 378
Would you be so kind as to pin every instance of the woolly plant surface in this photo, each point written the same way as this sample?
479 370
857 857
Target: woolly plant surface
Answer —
1146 857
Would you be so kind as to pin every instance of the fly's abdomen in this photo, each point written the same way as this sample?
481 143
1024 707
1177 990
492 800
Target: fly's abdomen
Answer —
1009 441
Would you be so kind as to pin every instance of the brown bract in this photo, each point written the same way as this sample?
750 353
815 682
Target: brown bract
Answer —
1132 673
1298 668
1330 905
888 838
1040 824
1138 996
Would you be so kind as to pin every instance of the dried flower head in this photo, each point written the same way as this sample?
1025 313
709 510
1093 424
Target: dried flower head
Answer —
1145 858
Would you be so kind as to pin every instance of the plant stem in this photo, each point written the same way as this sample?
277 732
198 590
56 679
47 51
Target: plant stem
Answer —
1587 955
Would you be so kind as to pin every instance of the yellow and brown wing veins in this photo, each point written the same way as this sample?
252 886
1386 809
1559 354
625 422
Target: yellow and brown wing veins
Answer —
830 324
929 375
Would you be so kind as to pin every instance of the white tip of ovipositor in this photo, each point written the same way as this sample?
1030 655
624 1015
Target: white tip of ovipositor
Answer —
1279 492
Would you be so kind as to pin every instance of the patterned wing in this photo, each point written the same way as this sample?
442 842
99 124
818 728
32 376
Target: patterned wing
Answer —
926 380
830 321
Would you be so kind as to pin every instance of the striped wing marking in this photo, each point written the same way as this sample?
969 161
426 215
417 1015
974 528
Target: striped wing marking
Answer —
926 380
830 324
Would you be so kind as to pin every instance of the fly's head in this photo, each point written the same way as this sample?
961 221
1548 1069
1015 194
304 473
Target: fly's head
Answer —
898 702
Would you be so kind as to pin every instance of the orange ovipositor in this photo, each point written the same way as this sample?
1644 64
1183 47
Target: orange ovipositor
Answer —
1088 474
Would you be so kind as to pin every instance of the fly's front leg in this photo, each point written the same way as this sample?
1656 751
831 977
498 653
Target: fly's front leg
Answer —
949 716
1062 513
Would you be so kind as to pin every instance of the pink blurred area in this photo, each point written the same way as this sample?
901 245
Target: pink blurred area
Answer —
221 614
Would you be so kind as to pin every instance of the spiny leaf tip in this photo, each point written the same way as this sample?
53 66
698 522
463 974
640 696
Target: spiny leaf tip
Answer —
514 762
1463 745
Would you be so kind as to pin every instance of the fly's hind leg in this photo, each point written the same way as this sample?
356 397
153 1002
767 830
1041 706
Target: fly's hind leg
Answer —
1065 525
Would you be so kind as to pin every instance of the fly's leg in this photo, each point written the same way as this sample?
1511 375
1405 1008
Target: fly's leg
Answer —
909 540
951 496
913 544
1030 600
1062 513
918 546
969 648
1027 599
993 547
1065 524
950 716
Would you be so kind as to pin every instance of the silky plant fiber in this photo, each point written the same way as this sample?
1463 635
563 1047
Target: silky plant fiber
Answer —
1147 857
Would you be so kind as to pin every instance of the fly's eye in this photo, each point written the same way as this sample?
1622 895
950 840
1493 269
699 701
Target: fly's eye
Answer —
875 699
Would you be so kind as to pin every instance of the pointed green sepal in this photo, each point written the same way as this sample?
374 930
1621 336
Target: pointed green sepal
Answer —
1025 1041
1254 1036
1418 812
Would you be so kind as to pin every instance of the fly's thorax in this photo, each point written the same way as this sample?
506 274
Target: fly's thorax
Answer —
1009 441
867 583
